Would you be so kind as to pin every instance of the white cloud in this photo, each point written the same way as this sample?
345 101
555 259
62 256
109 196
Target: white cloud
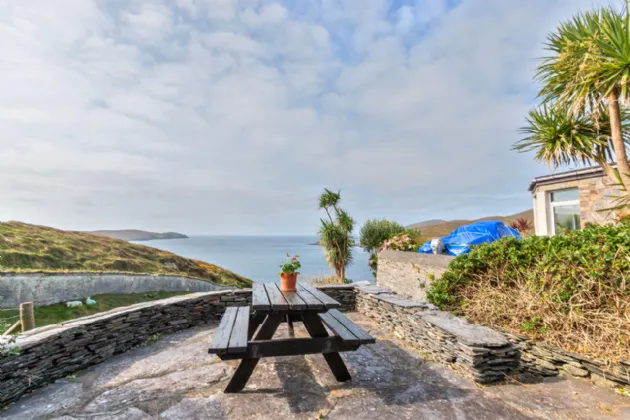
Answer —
230 116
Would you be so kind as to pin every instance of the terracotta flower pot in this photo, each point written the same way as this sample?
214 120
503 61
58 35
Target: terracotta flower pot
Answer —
288 282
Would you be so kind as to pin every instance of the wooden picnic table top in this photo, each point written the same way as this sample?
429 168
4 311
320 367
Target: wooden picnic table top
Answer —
269 297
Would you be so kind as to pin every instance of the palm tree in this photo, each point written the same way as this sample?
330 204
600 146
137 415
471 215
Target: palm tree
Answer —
560 137
335 233
589 69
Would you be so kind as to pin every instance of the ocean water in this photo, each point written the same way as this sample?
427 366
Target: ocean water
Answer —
259 257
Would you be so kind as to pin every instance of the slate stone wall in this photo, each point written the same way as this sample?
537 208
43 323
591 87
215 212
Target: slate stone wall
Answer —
55 351
483 353
50 288
545 360
345 294
409 273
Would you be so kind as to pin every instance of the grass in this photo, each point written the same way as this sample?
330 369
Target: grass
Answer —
54 314
30 248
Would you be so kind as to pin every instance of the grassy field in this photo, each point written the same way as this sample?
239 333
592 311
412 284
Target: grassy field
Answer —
53 314
25 247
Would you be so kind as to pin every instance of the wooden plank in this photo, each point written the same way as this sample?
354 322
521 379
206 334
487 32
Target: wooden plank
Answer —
277 301
260 300
240 330
339 329
221 338
356 330
293 299
328 302
293 347
312 303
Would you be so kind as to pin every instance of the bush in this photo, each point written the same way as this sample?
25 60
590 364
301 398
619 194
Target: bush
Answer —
408 240
570 290
374 232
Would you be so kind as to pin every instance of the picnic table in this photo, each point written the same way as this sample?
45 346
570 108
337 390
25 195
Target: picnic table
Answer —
247 333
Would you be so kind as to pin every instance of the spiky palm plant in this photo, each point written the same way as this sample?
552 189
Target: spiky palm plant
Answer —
589 67
335 233
559 137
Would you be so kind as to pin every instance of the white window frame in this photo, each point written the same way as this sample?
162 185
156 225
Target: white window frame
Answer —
554 204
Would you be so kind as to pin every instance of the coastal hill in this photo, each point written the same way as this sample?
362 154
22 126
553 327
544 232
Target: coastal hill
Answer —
437 228
25 247
137 235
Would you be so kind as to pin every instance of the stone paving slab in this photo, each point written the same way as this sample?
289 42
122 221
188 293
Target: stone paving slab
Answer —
467 333
176 379
375 290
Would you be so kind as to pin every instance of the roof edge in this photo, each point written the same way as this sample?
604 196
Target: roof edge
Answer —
575 175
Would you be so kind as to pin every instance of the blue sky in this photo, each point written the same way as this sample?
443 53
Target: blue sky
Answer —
230 117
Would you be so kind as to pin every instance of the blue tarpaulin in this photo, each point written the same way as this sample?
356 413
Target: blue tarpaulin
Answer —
459 241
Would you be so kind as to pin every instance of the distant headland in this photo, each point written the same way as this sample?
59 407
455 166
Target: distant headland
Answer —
138 235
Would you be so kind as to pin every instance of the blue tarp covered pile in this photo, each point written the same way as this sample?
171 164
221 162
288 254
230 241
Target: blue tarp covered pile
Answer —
460 240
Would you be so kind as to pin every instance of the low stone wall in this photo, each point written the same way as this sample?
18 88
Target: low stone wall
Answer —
346 294
487 355
47 289
55 351
410 273
482 352
544 360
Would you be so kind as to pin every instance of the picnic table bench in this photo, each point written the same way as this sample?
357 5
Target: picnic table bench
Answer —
248 335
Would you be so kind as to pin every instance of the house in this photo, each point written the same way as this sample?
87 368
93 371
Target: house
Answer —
569 200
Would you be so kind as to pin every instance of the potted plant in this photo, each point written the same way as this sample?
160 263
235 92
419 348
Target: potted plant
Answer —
289 272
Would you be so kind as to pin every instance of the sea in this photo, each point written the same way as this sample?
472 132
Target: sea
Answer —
259 257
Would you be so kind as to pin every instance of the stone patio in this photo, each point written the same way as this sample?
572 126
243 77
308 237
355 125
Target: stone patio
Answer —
175 378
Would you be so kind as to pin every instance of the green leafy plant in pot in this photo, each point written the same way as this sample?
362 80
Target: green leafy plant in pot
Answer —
289 272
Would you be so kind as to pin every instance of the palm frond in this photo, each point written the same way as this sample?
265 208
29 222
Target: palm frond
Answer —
558 137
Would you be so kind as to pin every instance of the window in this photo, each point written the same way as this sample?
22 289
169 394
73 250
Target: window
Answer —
565 210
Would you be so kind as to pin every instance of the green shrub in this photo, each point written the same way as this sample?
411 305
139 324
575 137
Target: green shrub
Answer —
571 290
374 232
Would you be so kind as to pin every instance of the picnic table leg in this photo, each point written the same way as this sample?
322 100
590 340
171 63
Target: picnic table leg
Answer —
316 328
247 366
256 319
290 326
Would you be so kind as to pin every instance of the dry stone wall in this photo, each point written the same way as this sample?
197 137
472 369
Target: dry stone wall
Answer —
49 353
345 294
55 351
52 352
410 274
545 360
485 354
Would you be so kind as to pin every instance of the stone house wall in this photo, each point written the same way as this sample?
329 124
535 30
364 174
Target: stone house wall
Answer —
597 194
410 273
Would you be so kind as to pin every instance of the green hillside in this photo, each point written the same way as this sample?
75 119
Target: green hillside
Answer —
25 247
438 228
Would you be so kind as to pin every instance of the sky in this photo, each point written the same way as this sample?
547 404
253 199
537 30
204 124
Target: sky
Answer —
232 116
